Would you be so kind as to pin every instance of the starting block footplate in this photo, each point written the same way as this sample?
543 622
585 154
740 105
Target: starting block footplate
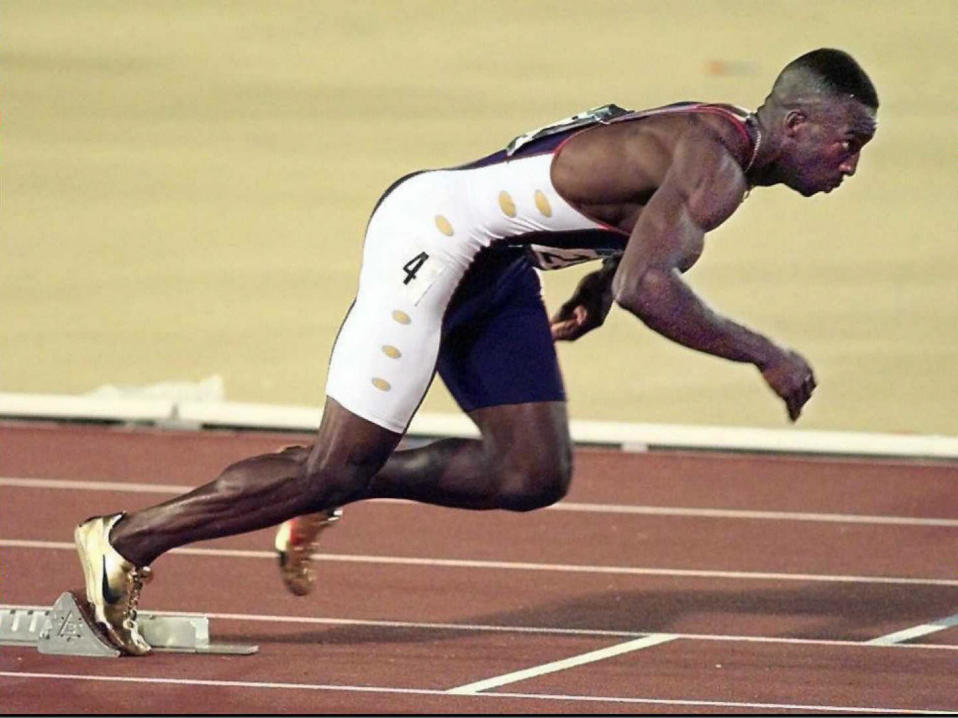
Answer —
68 629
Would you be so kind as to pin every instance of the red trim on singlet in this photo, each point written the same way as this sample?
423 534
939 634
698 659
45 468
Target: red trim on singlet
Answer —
705 107
737 121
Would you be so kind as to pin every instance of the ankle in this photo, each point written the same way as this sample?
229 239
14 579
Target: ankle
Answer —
124 541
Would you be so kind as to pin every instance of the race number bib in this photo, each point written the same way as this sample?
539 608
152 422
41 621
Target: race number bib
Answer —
555 258
418 275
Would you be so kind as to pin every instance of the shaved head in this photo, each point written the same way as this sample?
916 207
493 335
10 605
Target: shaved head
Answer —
820 113
823 74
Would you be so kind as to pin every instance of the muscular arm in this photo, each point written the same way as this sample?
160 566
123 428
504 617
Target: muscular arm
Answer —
702 188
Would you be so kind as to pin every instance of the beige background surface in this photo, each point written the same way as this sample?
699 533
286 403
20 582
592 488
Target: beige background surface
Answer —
185 187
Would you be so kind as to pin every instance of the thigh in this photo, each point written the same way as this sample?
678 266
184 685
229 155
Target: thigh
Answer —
497 348
384 357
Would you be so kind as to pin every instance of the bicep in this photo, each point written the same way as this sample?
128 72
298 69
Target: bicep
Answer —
709 180
702 188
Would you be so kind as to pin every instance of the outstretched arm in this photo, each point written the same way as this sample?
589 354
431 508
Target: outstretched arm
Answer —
702 188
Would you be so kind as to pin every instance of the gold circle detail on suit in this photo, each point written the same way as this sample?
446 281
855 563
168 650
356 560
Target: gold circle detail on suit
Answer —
542 203
444 225
506 204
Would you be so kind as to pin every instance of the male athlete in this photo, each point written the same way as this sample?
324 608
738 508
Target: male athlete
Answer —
447 282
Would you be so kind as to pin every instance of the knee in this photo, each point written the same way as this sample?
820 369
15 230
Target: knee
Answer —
534 484
331 479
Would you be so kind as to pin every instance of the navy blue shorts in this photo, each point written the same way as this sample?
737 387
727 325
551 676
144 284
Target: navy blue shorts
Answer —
496 345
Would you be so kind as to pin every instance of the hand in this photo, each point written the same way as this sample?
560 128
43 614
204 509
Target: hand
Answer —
585 311
588 306
570 323
790 376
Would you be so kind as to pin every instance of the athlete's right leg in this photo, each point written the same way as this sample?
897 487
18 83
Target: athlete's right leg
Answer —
255 493
263 491
382 363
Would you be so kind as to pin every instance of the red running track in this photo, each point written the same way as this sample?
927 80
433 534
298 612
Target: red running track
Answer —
730 612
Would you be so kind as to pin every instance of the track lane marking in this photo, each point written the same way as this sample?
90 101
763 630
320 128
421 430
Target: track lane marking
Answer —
75 485
539 630
748 514
561 665
923 629
579 507
523 566
435 692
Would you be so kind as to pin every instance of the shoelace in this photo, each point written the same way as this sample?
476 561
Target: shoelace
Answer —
138 577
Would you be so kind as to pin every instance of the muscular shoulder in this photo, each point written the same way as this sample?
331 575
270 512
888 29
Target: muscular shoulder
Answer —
706 173
612 171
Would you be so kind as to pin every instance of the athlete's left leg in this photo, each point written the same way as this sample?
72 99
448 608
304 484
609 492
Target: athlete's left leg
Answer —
522 461
498 360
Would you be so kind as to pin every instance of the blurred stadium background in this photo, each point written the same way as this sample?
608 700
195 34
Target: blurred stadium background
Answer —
185 187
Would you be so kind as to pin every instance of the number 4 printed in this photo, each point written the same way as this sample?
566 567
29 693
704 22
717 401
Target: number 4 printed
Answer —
413 266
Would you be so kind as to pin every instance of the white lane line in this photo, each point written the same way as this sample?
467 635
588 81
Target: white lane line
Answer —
745 514
583 658
623 509
768 707
490 628
521 566
72 485
433 692
923 629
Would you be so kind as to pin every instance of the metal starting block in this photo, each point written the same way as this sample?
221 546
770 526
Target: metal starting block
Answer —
67 629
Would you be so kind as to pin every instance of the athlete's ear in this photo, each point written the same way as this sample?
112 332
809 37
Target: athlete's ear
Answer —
793 122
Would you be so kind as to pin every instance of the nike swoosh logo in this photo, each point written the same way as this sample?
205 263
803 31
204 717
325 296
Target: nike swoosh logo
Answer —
109 594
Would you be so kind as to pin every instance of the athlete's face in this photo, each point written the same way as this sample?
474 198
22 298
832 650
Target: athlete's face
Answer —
824 143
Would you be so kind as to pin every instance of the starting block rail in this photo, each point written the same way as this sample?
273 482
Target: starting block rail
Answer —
67 629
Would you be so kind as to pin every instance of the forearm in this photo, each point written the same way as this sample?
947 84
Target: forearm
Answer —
668 306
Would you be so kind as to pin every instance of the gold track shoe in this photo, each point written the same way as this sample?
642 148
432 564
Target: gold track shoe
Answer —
296 543
113 584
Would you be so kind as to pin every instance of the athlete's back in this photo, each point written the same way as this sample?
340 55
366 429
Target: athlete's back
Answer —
510 198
